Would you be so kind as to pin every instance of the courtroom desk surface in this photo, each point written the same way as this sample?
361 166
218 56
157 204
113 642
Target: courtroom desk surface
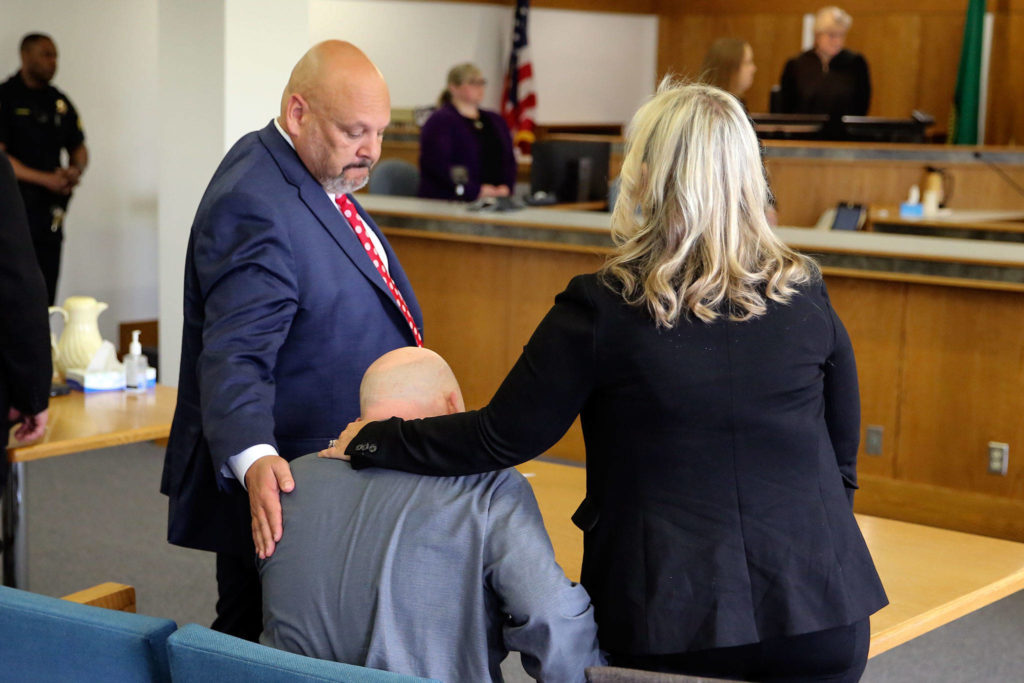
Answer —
891 151
1001 226
85 421
814 149
935 259
932 576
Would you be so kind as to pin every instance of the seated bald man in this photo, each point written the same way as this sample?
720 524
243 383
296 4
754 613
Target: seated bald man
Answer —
430 576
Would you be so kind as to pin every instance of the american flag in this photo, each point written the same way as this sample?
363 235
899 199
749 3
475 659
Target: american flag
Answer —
518 99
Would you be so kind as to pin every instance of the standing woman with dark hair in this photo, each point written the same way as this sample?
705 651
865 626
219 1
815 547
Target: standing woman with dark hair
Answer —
465 151
717 391
729 65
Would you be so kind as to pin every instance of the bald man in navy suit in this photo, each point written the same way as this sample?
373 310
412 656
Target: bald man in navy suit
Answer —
291 292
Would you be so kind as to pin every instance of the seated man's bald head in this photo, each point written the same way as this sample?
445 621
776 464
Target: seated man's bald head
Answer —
410 383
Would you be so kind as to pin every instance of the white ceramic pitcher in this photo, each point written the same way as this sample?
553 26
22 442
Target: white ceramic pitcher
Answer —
81 336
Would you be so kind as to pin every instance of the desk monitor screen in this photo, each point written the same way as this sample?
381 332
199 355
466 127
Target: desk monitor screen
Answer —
881 129
572 170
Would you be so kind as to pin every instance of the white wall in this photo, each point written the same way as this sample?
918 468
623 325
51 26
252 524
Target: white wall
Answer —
588 66
263 40
190 131
592 67
223 66
415 43
107 66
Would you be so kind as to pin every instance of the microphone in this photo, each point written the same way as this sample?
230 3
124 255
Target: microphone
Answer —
460 176
1002 174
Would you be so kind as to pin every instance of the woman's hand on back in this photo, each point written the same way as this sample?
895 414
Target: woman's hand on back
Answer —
337 448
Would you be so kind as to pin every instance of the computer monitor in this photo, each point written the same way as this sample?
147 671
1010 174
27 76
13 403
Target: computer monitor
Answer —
571 170
882 129
789 126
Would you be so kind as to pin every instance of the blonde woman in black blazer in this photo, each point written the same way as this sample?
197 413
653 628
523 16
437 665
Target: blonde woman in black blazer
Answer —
718 395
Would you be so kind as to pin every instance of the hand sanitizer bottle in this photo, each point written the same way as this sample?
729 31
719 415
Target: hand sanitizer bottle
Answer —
135 365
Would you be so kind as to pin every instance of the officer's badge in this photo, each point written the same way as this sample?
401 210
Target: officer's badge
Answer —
62 106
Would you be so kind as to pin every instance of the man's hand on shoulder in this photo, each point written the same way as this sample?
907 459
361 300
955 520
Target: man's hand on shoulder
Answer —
266 479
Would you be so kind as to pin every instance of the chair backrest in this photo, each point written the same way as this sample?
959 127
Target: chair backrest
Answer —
394 177
201 654
44 638
616 674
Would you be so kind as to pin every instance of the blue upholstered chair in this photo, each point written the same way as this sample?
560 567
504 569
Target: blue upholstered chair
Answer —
394 177
200 654
48 639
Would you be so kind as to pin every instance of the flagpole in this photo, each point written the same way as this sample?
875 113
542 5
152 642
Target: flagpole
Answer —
986 53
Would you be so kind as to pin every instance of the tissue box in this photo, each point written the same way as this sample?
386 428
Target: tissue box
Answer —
102 380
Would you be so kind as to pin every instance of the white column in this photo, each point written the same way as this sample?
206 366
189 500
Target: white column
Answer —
222 67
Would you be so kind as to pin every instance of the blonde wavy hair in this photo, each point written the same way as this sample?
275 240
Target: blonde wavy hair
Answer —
689 224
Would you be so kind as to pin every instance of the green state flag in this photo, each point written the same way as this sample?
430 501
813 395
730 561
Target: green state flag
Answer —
963 121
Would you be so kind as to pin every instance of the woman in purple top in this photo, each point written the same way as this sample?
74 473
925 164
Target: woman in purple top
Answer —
465 151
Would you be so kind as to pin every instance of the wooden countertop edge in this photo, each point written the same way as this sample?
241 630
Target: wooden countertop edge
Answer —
496 241
793 240
498 219
889 276
37 451
901 633
909 256
914 278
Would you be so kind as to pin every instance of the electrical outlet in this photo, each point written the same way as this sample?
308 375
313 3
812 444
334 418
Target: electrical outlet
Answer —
998 457
873 440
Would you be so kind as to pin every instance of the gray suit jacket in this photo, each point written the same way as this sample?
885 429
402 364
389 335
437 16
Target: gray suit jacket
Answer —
430 576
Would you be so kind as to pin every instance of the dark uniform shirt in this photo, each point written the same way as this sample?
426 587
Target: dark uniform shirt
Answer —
35 125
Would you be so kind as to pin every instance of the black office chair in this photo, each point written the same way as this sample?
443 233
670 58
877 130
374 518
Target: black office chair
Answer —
394 177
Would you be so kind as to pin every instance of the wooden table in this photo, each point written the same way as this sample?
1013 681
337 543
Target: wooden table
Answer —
932 576
1000 226
78 422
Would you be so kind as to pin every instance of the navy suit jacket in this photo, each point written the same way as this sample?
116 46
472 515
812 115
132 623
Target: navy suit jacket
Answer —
283 312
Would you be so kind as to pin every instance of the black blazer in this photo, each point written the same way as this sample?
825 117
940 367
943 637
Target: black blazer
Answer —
844 89
720 463
25 367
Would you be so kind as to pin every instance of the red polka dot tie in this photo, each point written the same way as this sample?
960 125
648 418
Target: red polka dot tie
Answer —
359 227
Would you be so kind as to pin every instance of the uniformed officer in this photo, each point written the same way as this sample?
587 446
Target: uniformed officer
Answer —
37 123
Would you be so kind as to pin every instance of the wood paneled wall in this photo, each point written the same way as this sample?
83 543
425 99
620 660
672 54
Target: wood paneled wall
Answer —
1005 119
940 371
481 303
912 46
805 187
